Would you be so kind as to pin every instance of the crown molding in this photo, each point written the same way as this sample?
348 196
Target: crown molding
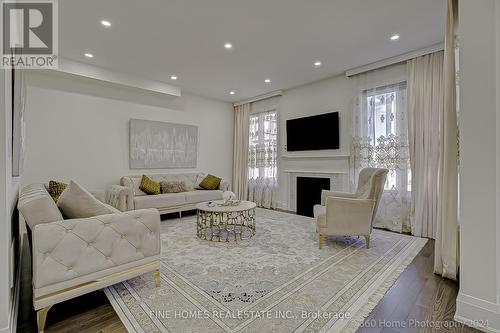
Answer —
115 77
395 60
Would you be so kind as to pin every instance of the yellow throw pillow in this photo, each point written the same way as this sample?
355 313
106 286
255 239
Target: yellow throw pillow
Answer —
149 186
56 188
210 182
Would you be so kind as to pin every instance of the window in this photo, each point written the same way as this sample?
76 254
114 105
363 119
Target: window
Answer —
380 140
387 133
262 155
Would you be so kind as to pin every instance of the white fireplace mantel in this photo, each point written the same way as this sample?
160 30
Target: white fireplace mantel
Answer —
339 181
328 172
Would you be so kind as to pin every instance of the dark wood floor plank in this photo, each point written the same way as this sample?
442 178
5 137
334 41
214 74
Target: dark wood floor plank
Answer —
418 297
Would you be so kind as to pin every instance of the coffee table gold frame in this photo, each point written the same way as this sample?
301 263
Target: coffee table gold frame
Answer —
221 226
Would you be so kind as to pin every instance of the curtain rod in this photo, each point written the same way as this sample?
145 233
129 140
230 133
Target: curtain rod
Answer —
395 60
260 97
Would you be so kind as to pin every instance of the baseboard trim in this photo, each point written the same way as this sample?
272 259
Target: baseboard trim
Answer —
473 324
480 314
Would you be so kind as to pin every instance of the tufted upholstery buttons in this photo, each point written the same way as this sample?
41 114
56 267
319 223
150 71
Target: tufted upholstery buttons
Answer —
115 237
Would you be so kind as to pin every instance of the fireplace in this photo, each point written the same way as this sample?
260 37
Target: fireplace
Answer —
309 193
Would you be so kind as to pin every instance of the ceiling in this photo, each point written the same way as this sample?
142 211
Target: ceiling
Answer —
276 39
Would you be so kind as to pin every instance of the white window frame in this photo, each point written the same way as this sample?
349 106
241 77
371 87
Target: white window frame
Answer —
261 140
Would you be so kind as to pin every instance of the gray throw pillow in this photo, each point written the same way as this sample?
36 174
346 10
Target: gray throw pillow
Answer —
76 202
173 187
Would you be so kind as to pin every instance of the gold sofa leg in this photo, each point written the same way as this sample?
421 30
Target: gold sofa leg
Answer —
156 275
367 241
321 239
41 316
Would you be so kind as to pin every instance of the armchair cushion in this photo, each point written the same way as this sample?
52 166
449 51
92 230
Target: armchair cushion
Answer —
76 202
325 194
346 216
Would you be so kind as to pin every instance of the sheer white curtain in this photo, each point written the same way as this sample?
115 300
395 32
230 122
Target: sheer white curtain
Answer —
263 159
446 247
240 150
381 140
425 106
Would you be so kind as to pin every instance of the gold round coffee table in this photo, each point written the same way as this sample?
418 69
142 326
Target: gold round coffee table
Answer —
218 223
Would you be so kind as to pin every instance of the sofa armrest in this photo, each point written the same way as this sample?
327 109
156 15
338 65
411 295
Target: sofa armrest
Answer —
74 248
325 194
120 197
224 185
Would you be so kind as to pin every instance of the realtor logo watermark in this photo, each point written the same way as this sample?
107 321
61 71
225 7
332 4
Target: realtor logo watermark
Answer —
29 33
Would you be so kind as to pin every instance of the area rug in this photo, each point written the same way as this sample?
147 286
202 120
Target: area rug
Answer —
277 281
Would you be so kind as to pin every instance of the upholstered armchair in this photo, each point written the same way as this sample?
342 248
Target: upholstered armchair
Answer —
352 214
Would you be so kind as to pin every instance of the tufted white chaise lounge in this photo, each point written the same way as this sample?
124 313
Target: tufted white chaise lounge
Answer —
77 256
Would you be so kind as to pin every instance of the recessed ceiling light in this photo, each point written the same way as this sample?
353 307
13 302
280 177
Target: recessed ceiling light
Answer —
395 37
232 93
105 23
267 80
317 63
228 46
173 77
89 55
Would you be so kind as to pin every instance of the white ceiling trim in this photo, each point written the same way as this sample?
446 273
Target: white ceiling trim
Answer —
260 97
395 60
116 77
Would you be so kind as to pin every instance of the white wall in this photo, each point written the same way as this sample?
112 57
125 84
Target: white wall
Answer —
8 197
331 95
479 294
335 94
78 129
497 24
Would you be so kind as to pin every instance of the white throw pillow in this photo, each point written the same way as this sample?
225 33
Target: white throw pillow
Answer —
76 202
199 179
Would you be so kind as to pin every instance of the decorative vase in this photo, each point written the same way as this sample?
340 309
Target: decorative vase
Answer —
228 195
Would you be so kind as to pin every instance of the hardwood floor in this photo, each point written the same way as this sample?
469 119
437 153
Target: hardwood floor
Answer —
418 296
417 302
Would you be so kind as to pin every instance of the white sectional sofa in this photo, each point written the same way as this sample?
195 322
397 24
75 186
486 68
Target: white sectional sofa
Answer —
72 257
134 198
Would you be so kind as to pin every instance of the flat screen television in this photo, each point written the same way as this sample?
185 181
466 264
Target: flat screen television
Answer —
318 132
